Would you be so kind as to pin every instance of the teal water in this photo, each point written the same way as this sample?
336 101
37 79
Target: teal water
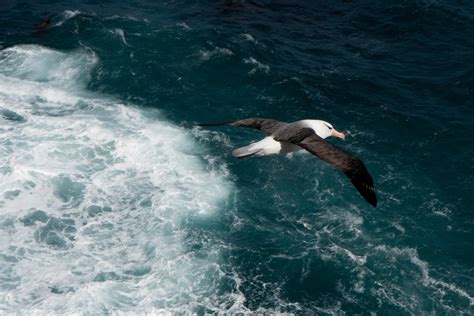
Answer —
111 201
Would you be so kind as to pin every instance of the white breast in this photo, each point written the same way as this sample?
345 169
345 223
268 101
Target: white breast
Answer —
269 146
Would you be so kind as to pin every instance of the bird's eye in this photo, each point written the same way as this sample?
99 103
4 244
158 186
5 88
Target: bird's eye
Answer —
328 126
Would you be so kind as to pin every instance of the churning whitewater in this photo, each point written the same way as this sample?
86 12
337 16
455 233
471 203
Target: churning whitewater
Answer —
98 196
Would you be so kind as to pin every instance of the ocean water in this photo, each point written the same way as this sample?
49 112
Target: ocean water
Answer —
111 201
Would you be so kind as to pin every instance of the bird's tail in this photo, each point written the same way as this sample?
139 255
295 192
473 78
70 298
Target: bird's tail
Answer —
245 152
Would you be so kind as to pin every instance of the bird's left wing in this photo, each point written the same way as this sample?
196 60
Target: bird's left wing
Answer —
268 126
352 166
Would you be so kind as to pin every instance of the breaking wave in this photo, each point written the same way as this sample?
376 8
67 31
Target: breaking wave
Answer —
97 198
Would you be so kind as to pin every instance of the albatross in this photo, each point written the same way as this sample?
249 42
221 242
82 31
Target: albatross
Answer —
309 135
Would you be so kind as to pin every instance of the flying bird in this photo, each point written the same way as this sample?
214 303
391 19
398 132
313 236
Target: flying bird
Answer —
307 135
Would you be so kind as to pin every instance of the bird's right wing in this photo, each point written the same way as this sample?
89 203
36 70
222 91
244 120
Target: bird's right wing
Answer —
268 126
352 166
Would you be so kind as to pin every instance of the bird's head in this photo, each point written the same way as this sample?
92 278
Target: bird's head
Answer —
331 131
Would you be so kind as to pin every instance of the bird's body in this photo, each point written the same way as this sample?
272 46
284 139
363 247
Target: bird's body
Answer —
269 146
306 135
265 147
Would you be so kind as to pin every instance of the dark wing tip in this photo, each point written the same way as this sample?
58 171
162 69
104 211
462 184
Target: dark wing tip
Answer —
366 190
362 181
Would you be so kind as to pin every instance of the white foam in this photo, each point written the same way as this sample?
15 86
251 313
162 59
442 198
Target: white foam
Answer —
121 35
360 260
184 26
32 64
126 17
438 207
67 14
258 66
426 278
399 227
119 186
206 55
249 38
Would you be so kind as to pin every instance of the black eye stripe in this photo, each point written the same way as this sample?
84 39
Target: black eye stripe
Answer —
328 126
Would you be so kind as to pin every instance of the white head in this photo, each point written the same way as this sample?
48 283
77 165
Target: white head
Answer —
327 130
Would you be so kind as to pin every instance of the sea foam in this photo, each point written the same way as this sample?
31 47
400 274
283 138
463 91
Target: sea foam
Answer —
97 197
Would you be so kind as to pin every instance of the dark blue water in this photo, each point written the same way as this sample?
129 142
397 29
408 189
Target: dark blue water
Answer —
112 201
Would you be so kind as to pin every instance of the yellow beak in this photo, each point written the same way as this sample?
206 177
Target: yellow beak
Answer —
338 134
